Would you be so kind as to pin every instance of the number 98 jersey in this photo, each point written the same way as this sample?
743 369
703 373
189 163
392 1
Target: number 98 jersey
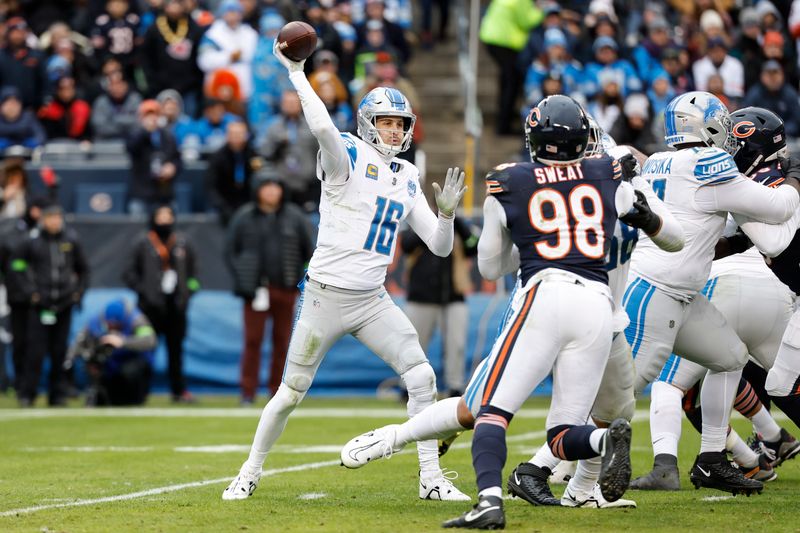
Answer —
560 216
360 218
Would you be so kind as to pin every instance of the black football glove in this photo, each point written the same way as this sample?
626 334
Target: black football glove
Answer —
642 217
739 242
630 167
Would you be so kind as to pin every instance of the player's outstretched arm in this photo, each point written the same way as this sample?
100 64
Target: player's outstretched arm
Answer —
728 190
497 255
333 153
437 232
670 236
770 239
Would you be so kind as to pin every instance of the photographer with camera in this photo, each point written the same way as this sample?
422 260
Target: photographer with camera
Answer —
117 346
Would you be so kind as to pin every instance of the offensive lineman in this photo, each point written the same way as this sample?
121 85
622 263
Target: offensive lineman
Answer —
700 184
615 398
366 194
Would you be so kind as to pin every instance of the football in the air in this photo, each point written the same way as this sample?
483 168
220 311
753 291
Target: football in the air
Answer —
297 40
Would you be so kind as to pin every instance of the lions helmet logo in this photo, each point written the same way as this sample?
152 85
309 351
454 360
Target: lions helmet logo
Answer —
744 129
533 118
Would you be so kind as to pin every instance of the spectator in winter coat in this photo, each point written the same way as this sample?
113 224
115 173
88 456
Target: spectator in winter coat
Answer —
647 56
114 113
270 78
208 132
436 289
155 161
289 145
718 61
230 172
229 44
21 66
634 126
51 270
17 126
773 93
172 115
163 274
169 55
65 116
268 245
395 36
606 53
555 62
116 34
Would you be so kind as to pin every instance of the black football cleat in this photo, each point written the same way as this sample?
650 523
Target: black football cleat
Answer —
615 469
783 449
664 476
529 482
712 470
486 514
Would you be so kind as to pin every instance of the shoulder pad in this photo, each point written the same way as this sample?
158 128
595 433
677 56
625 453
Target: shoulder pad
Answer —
714 166
498 180
602 163
770 176
352 149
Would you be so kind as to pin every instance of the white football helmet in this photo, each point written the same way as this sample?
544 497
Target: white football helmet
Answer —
382 102
699 117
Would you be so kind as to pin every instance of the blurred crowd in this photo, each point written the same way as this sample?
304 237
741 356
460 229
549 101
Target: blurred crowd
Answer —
626 59
179 80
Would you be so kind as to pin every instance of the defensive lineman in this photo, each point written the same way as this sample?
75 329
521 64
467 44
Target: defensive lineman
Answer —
366 194
700 184
559 211
615 399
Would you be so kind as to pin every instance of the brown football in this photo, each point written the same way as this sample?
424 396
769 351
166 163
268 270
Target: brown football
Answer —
297 40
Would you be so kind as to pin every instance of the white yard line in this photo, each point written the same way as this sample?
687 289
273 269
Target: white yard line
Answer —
161 490
239 412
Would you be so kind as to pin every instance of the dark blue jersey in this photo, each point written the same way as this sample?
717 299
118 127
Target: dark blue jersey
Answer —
787 265
559 217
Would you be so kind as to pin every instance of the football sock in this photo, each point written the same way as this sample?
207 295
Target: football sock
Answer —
765 425
491 491
716 397
740 451
489 447
746 402
437 421
789 405
586 475
420 382
665 418
271 425
757 378
544 458
574 442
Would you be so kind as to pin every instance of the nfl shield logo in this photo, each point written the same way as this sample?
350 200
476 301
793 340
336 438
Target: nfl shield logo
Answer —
412 188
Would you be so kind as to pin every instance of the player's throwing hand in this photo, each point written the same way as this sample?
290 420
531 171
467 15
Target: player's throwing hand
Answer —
291 66
447 199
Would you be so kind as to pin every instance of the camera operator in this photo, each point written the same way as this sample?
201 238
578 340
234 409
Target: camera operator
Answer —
117 345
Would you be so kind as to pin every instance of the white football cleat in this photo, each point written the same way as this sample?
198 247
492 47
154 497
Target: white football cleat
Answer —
592 500
563 472
375 444
243 486
440 487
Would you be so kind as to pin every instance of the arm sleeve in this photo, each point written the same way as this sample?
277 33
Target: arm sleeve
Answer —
435 232
334 156
497 255
211 56
670 236
770 239
745 197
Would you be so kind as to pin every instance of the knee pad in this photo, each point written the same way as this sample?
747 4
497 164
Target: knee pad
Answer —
420 382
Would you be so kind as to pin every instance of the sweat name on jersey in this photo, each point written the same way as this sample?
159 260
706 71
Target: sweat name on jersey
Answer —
560 217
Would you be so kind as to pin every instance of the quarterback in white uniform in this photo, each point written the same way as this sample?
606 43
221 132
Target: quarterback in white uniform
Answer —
615 398
367 193
700 184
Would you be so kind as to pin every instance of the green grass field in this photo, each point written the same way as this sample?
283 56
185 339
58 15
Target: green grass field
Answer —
163 469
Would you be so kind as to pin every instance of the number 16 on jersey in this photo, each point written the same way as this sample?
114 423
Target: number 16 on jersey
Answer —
384 225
